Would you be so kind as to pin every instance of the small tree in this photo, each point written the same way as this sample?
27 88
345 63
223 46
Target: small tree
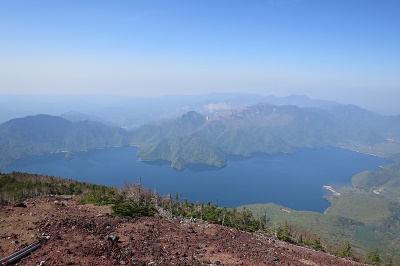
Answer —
373 257
346 251
284 233
389 262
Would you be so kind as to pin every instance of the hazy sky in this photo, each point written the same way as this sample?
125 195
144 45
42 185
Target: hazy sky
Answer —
343 50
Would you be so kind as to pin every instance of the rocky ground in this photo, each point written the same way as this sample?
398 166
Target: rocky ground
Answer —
74 234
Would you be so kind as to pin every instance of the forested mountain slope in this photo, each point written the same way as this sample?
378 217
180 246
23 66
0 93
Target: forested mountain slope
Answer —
270 129
33 135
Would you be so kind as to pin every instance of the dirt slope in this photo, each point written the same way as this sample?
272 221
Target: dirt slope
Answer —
73 234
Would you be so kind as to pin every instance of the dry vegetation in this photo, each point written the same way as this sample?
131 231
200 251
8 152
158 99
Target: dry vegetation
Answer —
73 234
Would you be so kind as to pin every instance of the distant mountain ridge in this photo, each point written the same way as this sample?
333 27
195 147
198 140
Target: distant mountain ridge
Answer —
131 112
214 103
34 135
79 117
210 138
265 128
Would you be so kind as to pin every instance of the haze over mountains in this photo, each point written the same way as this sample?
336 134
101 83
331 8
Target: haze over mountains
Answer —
212 129
131 112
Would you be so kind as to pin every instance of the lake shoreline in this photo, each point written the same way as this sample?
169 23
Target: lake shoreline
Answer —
358 151
330 188
291 180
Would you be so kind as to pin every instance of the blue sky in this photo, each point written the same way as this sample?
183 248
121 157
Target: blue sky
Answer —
343 50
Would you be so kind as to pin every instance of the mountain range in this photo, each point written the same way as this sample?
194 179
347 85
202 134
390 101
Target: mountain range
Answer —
131 112
265 128
210 138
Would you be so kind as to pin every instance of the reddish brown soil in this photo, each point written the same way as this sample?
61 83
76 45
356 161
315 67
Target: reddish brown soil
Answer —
78 235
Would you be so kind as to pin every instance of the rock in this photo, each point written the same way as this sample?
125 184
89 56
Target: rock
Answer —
45 237
113 238
202 245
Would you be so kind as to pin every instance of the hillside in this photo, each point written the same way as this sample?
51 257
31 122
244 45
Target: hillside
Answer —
34 135
70 233
182 150
385 183
362 219
269 129
78 236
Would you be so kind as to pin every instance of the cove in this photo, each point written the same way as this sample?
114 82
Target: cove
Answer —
291 180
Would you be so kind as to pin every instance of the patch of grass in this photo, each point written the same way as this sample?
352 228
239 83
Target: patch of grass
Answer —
16 187
358 217
360 206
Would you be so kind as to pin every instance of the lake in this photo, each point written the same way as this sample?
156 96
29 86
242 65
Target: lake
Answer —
291 180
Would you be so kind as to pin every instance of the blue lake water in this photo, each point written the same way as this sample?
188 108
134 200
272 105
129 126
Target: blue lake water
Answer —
291 180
